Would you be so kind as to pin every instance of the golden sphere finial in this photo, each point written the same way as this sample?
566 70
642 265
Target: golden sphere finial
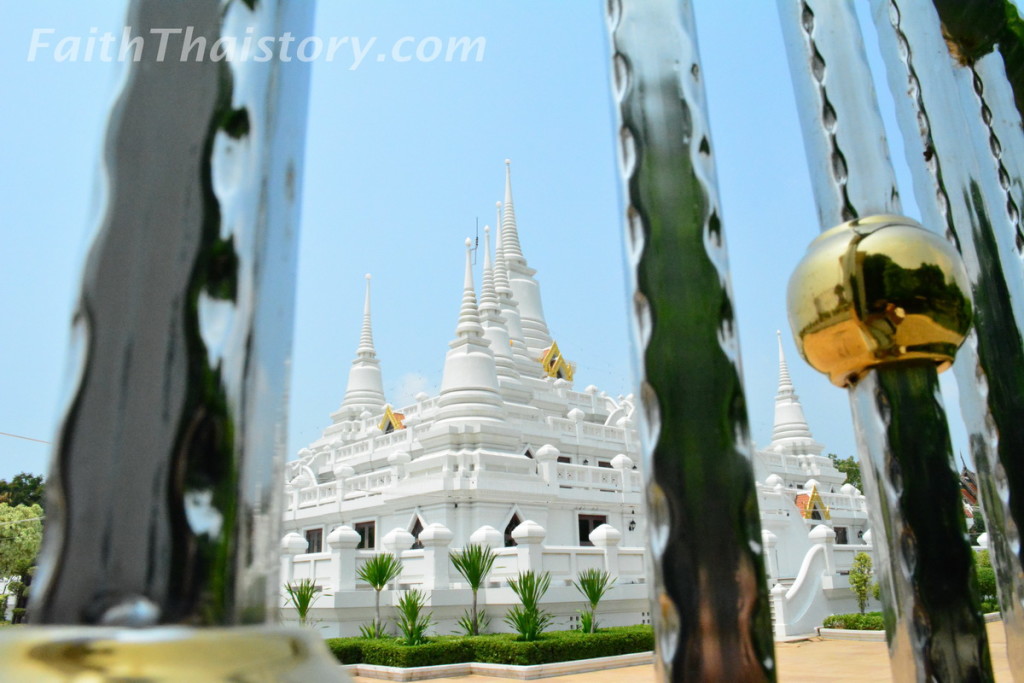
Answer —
877 290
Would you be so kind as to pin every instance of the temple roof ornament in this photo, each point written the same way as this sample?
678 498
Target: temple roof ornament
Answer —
555 364
391 421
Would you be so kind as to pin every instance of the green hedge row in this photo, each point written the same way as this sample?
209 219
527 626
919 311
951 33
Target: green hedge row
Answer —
871 621
557 646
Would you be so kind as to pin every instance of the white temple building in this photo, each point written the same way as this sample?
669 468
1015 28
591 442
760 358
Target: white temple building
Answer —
511 455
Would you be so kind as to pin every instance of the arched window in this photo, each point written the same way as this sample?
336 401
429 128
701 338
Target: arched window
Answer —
415 531
512 524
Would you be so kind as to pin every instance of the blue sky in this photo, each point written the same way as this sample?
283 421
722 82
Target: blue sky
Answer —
403 160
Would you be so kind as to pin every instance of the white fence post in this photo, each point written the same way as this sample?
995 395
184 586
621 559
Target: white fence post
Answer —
823 535
291 545
607 538
530 538
343 542
547 462
435 539
488 536
768 541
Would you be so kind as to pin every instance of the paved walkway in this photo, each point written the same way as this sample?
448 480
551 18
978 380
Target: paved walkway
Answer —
810 661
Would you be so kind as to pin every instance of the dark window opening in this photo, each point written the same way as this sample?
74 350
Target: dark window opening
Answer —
841 535
528 453
315 540
588 523
564 458
816 514
415 531
512 524
603 463
390 428
367 535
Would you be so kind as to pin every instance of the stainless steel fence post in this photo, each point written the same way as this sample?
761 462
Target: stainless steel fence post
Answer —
709 596
163 502
955 72
879 303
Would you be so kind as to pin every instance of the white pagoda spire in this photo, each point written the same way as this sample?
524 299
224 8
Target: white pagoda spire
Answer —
493 322
513 250
469 385
365 386
790 433
524 287
527 365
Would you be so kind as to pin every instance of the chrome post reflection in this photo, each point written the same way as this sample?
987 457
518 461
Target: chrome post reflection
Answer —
709 594
876 303
965 148
163 509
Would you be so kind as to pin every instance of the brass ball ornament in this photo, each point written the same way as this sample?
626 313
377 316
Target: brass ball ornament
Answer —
877 290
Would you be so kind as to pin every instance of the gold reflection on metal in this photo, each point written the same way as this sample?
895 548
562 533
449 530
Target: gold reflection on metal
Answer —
75 653
876 290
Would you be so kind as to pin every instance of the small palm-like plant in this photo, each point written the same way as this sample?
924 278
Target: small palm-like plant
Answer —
302 594
470 620
474 562
378 571
412 622
528 619
593 583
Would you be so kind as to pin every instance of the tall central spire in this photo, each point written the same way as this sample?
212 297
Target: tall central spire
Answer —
495 329
790 432
366 349
365 385
513 250
524 287
469 385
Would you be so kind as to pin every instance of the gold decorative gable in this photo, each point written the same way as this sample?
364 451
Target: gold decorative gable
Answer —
555 364
809 504
391 421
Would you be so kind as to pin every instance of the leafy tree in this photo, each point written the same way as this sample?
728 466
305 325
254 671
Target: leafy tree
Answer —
21 531
378 571
850 467
474 562
22 489
593 583
860 579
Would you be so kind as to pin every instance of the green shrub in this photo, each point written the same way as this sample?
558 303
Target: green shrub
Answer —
347 650
412 622
391 652
871 621
564 646
593 584
528 619
860 579
559 646
301 595
474 562
378 571
986 582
